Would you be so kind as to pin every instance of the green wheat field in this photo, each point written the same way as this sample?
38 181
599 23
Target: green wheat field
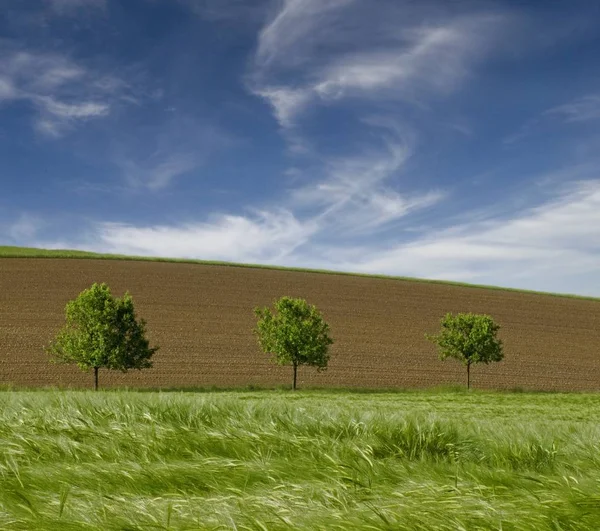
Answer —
270 460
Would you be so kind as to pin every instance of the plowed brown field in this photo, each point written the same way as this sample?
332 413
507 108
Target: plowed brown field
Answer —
201 316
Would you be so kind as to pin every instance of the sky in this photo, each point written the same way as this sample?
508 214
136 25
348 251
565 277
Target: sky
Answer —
444 140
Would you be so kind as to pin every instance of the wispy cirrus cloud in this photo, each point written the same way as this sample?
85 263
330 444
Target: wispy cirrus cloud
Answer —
57 117
155 156
65 7
431 57
355 196
61 92
265 236
352 200
577 111
554 243
24 228
354 174
296 30
343 58
285 102
312 53
387 109
556 239
159 171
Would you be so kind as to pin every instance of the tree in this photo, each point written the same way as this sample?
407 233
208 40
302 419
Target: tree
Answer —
102 331
295 334
469 338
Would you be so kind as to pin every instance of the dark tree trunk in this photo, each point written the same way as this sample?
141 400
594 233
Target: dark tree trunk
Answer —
468 376
295 376
95 378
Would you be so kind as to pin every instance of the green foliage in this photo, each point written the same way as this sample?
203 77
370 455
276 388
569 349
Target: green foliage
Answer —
295 334
470 338
102 331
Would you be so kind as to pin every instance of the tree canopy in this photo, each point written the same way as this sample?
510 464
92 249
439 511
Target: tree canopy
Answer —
470 338
295 334
102 331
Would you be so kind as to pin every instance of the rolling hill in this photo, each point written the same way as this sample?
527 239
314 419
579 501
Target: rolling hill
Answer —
200 313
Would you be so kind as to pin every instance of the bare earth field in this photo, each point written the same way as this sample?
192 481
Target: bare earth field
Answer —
201 316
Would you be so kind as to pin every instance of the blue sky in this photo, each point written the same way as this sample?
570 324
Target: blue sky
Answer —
447 140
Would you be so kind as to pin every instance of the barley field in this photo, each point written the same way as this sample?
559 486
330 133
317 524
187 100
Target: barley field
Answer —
271 460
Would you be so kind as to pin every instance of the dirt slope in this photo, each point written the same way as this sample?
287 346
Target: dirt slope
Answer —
202 318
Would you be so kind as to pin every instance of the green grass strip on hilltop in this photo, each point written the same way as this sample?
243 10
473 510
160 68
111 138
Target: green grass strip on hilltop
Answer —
31 252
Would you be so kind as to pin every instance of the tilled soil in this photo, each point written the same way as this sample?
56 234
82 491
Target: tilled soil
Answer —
202 318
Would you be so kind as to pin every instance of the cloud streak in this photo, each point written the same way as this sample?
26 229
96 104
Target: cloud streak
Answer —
25 227
558 239
580 110
296 30
63 93
265 237
67 7
158 172
355 197
553 246
160 154
575 112
293 70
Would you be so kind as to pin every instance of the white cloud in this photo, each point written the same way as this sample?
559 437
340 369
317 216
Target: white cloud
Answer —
324 55
434 58
355 196
372 211
557 240
352 200
552 247
77 110
63 92
24 228
266 237
174 166
48 128
358 173
64 7
153 157
296 30
158 172
321 52
580 110
7 91
286 103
